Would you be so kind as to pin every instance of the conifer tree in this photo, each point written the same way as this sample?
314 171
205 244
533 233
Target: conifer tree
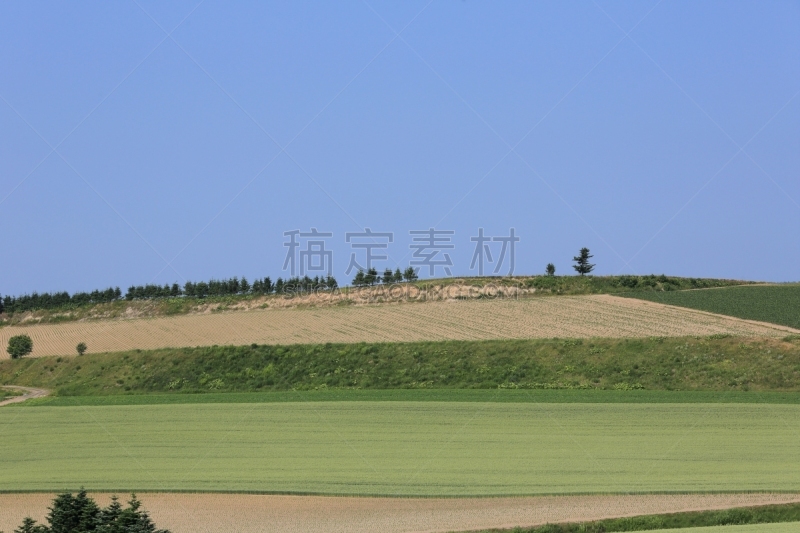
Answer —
410 274
582 265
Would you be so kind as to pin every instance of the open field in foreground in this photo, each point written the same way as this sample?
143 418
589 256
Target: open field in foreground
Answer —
247 513
404 449
778 304
563 317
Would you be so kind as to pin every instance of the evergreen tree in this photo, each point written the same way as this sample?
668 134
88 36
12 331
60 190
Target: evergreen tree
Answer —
371 277
80 514
244 285
398 276
70 514
188 289
388 276
550 270
331 283
29 525
175 290
359 281
279 286
582 265
410 274
201 289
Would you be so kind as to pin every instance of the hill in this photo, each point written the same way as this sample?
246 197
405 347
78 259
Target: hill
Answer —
426 290
452 319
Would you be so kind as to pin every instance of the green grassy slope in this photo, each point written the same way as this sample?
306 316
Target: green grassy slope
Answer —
397 448
704 363
780 518
778 304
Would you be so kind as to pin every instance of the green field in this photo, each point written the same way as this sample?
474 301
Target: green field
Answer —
786 527
682 363
403 448
778 304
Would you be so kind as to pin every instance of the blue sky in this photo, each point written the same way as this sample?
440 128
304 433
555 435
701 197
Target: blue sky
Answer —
143 142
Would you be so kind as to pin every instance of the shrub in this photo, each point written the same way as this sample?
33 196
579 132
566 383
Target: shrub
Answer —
19 346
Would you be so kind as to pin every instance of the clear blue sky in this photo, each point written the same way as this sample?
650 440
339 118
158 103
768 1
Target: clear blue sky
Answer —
664 136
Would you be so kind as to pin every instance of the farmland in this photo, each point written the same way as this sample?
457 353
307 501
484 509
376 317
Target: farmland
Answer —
252 513
778 304
430 405
404 449
563 317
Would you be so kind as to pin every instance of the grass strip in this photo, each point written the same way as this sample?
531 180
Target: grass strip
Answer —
425 395
765 514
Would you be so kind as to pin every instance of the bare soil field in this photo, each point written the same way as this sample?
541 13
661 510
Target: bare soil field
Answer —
246 513
563 317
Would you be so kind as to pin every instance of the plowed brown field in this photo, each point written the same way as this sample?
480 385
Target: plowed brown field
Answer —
547 317
212 513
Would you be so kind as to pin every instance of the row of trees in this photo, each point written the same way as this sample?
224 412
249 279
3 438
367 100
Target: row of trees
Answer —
202 289
229 287
46 300
81 514
371 277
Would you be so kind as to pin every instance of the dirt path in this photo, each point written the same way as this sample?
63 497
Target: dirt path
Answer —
250 513
29 393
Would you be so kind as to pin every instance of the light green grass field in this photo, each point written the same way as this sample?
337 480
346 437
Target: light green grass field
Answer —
787 527
403 448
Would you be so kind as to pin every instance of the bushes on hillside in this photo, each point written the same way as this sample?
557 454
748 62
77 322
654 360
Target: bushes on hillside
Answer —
19 346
